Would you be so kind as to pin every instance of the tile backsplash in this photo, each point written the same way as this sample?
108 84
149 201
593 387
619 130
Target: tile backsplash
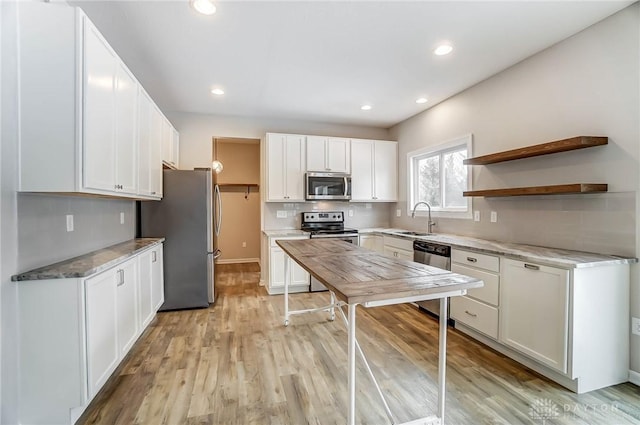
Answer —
364 214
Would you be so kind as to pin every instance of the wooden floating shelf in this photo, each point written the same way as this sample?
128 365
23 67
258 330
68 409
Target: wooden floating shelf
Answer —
238 185
563 189
564 145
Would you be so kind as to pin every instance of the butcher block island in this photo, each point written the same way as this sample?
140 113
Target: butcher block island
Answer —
355 276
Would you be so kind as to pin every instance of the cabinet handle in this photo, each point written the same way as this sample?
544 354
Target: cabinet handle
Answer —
472 260
121 277
531 266
153 256
471 314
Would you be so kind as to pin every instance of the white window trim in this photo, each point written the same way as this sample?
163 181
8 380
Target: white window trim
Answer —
411 177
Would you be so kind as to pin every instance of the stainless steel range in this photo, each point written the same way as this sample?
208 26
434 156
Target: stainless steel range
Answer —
326 224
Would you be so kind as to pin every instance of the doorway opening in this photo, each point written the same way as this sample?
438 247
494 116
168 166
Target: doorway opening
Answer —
238 182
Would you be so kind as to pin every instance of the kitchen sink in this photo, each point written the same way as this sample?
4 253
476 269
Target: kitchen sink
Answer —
415 233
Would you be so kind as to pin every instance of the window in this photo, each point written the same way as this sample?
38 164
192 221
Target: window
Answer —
436 175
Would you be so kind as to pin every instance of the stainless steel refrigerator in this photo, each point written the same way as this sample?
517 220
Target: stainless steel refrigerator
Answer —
188 217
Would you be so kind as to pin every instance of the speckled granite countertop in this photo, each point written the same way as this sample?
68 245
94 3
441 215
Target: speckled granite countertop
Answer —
285 232
91 263
554 257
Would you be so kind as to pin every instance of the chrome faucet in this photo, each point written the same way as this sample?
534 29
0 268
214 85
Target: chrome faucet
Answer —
430 223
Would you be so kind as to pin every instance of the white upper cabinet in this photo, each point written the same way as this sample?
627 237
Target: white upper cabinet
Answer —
100 65
285 157
329 154
79 106
374 170
149 155
170 144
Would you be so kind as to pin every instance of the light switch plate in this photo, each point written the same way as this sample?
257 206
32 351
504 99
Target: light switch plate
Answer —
69 222
281 214
635 325
398 213
121 217
494 217
476 216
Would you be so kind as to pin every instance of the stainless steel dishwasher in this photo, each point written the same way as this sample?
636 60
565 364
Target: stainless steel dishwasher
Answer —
436 255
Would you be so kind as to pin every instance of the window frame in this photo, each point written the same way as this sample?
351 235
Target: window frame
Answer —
413 157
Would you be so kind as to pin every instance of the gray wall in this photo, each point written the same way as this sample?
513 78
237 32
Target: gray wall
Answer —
42 231
364 214
585 85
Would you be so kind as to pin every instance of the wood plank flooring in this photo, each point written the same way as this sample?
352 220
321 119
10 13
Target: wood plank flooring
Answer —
236 364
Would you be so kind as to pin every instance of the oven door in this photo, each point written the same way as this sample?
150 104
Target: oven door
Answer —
323 186
316 286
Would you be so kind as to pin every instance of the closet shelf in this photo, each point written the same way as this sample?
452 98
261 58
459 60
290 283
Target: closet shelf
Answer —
563 189
238 184
573 143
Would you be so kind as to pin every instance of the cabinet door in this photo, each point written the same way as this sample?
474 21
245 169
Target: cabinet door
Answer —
316 153
99 111
144 143
372 242
276 266
294 168
126 102
276 164
338 155
102 342
167 155
156 152
145 302
299 276
534 306
385 171
157 277
127 305
175 147
362 170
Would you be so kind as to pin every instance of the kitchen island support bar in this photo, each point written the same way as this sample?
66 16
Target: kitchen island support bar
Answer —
350 323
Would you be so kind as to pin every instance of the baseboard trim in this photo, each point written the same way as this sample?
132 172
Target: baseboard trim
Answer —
238 260
634 377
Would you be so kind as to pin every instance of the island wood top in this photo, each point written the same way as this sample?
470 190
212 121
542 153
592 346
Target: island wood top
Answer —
357 275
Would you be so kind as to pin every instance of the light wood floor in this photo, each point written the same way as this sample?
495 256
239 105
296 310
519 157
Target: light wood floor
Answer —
236 364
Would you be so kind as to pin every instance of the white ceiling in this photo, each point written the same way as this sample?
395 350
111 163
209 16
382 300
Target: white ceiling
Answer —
321 61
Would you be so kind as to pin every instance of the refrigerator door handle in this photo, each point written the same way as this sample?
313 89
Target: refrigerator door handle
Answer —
218 210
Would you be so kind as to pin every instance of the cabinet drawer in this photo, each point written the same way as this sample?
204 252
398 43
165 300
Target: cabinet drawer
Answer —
474 259
489 293
405 244
476 315
272 240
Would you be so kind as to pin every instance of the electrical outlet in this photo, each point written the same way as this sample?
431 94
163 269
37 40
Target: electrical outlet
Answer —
281 214
476 216
635 326
350 213
244 244
69 222
121 217
398 213
494 217
367 206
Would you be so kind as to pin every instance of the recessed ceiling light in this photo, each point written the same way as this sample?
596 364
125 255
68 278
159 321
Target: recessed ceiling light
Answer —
365 107
218 92
206 7
421 100
443 49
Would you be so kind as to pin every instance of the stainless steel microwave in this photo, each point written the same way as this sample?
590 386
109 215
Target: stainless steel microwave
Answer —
327 186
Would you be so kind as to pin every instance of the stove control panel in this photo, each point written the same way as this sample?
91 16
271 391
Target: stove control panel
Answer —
323 217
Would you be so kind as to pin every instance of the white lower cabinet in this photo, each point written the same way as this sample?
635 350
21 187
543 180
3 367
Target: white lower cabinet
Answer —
479 308
571 325
157 277
398 247
299 277
102 325
535 311
372 242
75 332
